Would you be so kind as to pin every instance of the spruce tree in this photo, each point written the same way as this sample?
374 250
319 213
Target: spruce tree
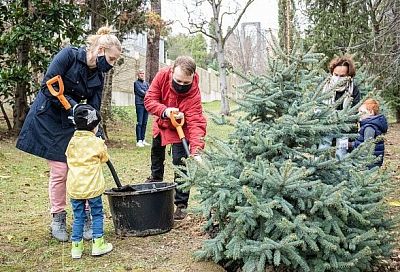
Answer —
271 197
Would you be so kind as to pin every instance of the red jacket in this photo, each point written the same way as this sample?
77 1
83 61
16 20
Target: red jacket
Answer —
161 95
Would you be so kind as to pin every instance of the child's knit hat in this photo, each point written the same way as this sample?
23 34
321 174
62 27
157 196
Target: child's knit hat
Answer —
86 117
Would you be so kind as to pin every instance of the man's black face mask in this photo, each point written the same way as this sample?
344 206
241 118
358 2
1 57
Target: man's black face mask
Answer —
181 88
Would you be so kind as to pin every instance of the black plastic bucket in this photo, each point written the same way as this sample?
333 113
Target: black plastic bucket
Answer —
147 210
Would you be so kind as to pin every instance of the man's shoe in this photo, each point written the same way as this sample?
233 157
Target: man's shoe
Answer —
77 249
180 212
151 179
145 143
140 144
59 226
100 247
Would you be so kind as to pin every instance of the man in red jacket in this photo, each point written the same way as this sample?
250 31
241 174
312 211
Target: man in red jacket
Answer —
175 90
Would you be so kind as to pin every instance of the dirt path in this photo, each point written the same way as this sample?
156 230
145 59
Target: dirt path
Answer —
392 158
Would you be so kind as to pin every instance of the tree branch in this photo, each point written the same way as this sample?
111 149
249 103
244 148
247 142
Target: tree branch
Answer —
228 13
229 32
199 29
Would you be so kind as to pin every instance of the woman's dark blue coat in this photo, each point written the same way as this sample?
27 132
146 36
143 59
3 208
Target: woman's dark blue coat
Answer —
47 131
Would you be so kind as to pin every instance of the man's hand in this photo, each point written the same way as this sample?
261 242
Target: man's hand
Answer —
168 111
179 115
198 158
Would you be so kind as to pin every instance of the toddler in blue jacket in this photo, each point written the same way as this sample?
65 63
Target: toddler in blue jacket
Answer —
372 124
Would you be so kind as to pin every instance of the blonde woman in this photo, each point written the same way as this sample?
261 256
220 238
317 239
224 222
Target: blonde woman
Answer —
48 127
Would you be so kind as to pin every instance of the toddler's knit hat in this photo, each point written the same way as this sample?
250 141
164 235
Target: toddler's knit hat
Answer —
86 117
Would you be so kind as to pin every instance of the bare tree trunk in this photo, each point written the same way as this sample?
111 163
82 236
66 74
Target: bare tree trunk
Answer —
106 106
95 16
397 115
288 26
21 105
9 127
225 109
97 21
397 110
216 33
153 45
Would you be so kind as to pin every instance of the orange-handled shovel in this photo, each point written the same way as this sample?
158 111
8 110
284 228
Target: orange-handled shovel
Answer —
60 93
178 126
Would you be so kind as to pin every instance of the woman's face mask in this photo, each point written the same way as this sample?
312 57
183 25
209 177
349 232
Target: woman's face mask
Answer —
181 88
339 83
102 64
334 79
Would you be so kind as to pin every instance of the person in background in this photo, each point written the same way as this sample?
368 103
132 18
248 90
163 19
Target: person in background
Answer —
48 126
140 87
341 83
175 91
85 181
372 124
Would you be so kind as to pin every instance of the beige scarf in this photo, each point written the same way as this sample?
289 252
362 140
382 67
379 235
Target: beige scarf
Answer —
334 84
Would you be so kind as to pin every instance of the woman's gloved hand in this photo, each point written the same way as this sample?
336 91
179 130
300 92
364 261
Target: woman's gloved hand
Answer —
71 114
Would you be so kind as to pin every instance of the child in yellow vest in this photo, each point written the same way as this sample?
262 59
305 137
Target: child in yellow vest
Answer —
85 181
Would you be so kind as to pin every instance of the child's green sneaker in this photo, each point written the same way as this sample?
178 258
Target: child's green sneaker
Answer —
100 247
77 249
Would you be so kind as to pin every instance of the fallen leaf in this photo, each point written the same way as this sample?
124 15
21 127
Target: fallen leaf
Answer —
5 177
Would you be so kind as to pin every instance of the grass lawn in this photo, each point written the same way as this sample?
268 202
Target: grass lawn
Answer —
25 241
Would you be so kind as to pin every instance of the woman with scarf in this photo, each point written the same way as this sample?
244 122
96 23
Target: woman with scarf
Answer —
341 83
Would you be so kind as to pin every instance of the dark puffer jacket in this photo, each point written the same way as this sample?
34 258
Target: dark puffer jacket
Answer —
380 126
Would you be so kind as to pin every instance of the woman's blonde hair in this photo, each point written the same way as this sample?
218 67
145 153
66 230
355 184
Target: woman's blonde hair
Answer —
103 38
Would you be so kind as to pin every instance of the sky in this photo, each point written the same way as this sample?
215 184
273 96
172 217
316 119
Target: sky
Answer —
264 11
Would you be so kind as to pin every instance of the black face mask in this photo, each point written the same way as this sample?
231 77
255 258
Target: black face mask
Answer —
102 64
181 88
